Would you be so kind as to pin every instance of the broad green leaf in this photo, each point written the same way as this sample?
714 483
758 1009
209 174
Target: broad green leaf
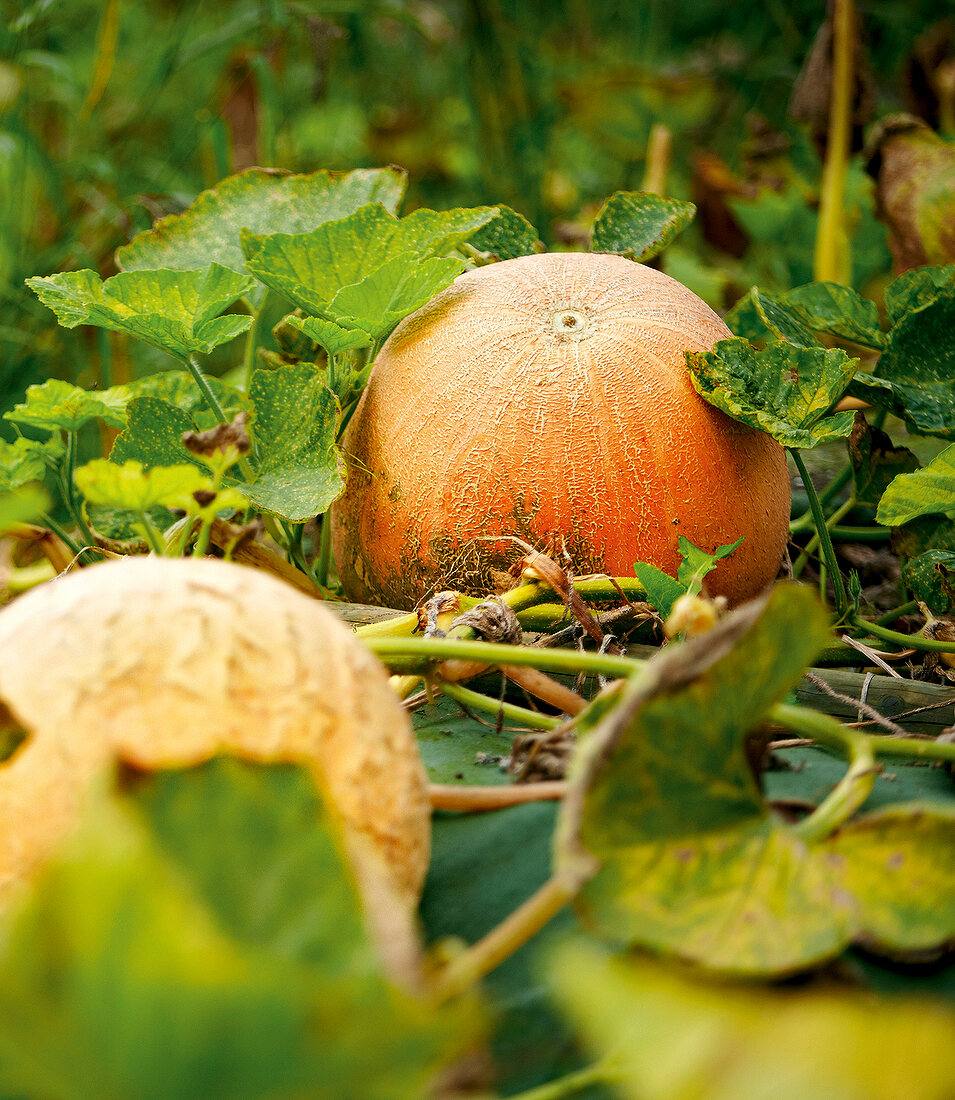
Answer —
456 748
875 461
507 235
916 289
662 590
679 851
293 425
927 491
23 506
311 268
177 311
129 486
836 310
179 388
332 337
26 460
914 375
261 200
931 578
697 563
215 907
782 390
929 532
394 290
153 435
639 224
55 405
672 1036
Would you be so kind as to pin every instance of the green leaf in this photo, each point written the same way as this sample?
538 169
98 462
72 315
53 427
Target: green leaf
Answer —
26 460
293 425
23 506
639 224
311 268
875 461
506 236
916 289
153 435
677 848
913 378
697 563
783 390
396 289
177 311
129 486
179 388
836 310
214 906
931 578
671 1036
55 405
261 200
926 533
332 337
662 590
925 492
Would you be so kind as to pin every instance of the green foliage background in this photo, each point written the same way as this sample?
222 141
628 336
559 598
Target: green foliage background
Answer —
114 114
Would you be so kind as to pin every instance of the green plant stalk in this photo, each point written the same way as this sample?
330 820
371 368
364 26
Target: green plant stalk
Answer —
205 389
501 942
474 700
897 612
800 563
600 1073
908 641
860 534
61 534
913 747
854 787
69 490
414 655
825 540
253 339
150 534
831 261
831 491
323 565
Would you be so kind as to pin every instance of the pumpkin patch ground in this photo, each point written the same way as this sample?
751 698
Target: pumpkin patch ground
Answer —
477 542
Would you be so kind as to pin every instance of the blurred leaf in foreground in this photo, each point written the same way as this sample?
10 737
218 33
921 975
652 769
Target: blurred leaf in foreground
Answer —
201 936
670 1036
676 849
783 390
639 224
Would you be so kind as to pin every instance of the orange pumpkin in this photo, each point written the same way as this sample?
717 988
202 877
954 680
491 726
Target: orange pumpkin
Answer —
548 397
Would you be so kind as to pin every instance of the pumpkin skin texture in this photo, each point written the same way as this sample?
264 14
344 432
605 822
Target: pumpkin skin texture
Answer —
166 662
548 397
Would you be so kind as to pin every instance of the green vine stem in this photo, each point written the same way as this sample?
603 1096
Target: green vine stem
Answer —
912 747
826 496
909 641
475 700
600 1073
69 491
833 521
825 540
461 973
415 654
854 787
831 261
897 612
150 534
205 389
